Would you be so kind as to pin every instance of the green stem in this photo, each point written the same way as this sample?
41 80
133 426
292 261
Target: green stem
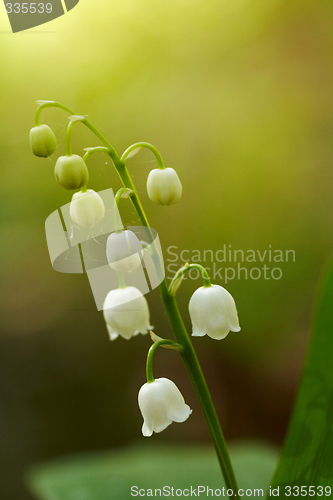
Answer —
188 355
185 269
91 151
121 280
82 259
146 247
193 367
144 145
149 365
189 358
118 225
54 104
50 104
68 138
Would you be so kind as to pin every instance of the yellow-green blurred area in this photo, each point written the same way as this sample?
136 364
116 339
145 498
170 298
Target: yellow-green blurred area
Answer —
237 96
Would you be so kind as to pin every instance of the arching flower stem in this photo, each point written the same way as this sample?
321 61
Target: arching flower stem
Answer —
122 194
149 365
185 269
139 145
188 354
121 280
68 138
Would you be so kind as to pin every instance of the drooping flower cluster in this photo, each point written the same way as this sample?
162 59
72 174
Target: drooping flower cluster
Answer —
212 309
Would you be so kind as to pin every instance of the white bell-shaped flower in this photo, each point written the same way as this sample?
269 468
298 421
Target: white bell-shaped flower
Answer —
161 403
123 251
213 312
164 186
86 208
126 313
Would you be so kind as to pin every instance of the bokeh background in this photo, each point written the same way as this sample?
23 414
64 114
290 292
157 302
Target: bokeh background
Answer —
237 96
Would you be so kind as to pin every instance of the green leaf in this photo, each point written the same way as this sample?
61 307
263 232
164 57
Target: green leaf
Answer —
307 457
110 475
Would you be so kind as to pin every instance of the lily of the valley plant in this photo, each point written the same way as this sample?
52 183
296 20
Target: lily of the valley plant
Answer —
212 309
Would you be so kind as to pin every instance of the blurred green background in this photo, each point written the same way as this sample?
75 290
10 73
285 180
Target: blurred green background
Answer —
237 96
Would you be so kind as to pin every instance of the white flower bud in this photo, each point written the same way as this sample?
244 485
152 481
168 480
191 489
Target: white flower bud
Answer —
123 251
161 403
164 186
71 172
86 208
126 313
213 312
43 142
